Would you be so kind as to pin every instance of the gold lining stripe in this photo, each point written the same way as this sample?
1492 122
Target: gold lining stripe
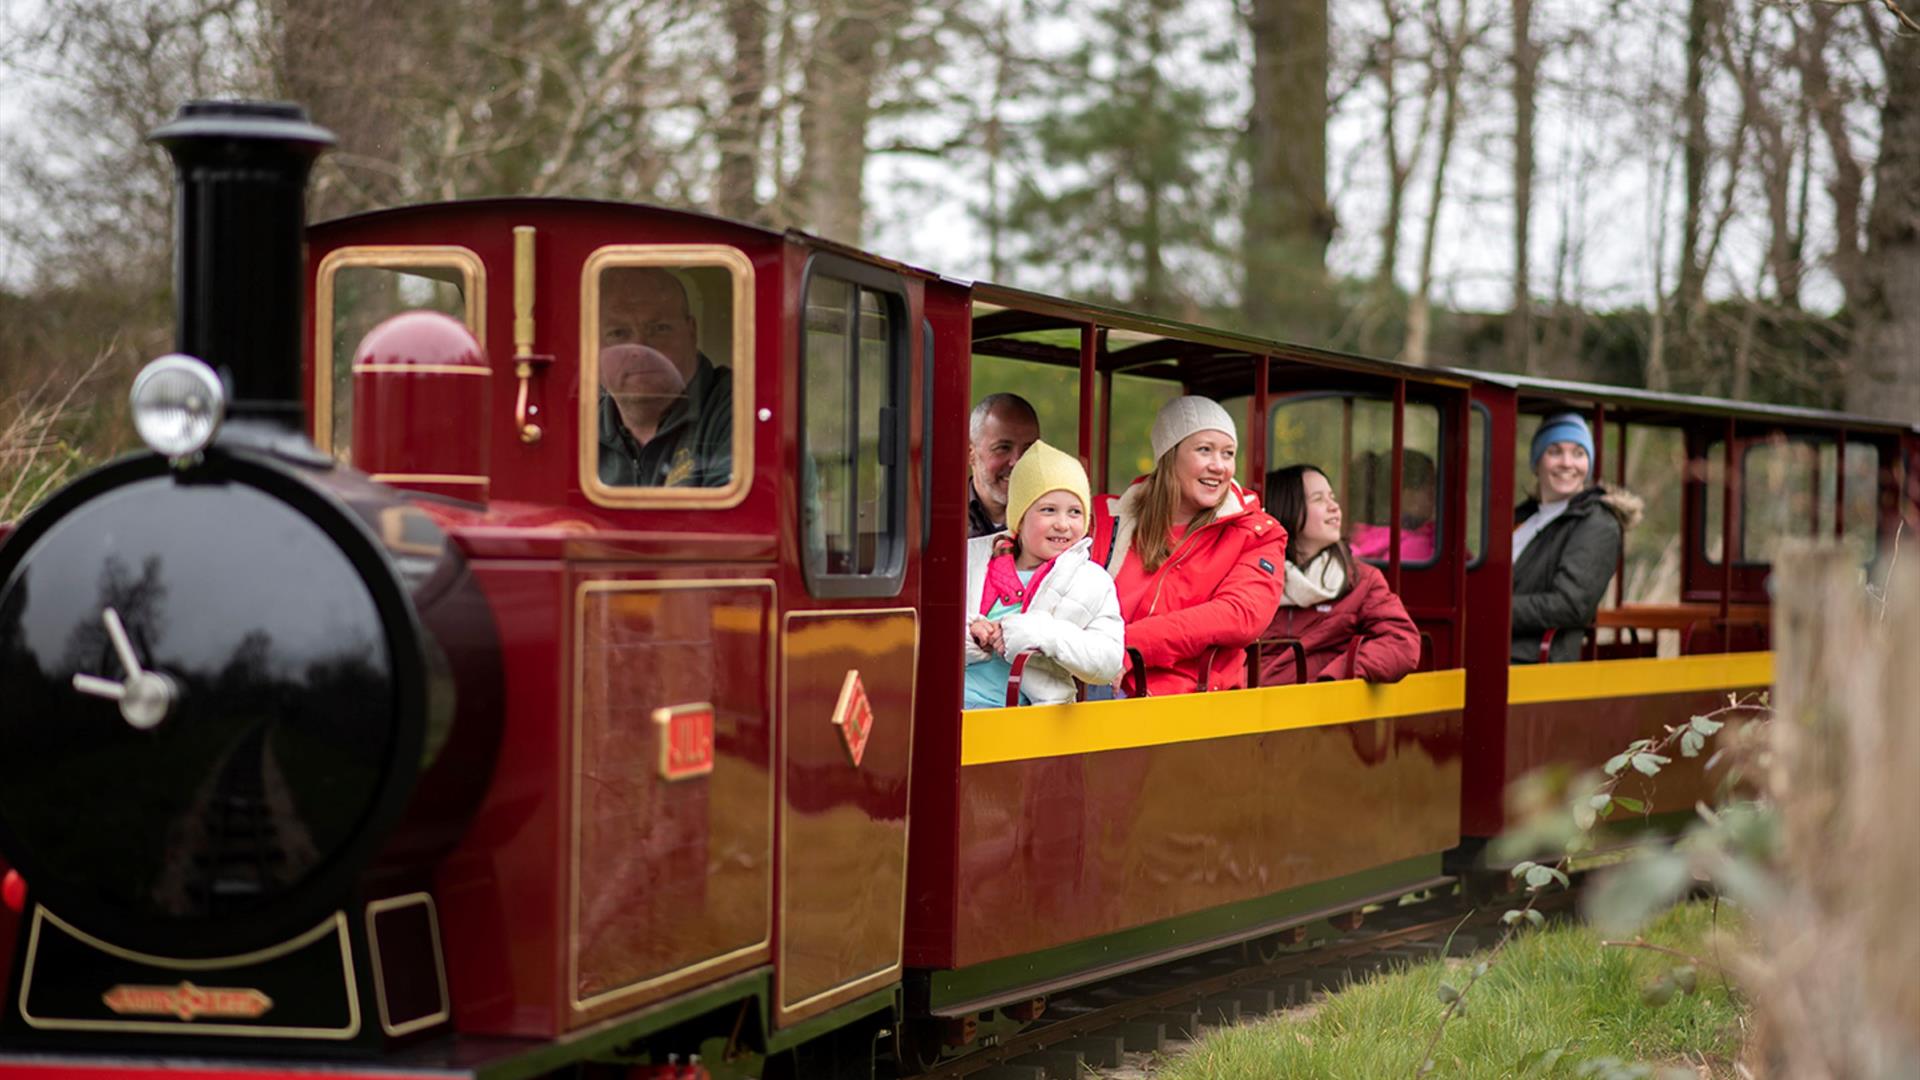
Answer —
335 924
445 1012
428 478
1587 680
420 369
1042 731
390 257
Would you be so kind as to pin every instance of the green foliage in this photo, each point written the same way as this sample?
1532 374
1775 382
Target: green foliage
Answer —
1135 181
1556 1001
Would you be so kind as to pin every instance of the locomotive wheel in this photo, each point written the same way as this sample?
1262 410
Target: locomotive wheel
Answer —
919 1045
1266 951
851 1052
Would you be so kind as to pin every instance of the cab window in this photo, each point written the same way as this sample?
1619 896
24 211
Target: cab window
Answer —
356 290
664 376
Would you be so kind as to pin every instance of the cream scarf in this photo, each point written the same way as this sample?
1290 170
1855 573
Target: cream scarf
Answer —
1320 582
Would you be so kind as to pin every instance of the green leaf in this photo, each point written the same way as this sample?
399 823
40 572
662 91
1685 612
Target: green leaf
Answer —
1480 970
1539 876
1659 991
1690 743
1512 917
1686 978
1633 805
1615 764
1705 725
1541 1062
1524 866
1601 802
1648 763
1536 918
1560 876
1626 896
1448 995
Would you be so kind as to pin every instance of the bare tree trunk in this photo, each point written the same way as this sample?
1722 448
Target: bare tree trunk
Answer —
744 122
1288 220
1848 183
1419 309
1696 158
1526 59
1397 169
833 121
324 51
995 144
1777 157
1657 375
1797 242
1885 378
1742 382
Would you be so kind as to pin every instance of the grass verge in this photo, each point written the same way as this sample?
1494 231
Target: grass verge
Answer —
1555 1000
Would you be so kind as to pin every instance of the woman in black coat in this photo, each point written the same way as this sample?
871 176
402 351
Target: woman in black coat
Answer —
1566 543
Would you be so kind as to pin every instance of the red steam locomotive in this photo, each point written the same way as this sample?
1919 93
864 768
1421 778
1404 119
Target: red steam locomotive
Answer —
377 721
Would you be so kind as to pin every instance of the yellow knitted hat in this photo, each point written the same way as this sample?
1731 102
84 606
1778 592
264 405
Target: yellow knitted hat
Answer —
1040 470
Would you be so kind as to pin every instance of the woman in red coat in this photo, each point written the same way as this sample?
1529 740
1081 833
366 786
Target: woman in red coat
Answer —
1347 620
1196 562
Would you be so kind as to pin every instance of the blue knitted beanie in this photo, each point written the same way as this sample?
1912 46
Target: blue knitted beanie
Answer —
1565 427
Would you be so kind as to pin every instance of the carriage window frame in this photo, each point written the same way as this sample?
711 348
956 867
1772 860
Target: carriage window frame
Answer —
398 257
1443 431
926 432
890 557
668 257
1475 408
1707 498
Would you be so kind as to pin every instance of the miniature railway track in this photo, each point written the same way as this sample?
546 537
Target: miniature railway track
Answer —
1094 1027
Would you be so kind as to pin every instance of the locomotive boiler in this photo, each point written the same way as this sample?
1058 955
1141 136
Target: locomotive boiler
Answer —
251 693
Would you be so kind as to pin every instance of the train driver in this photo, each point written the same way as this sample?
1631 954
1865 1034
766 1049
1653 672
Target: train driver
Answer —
1001 429
666 410
1566 542
1348 622
1196 561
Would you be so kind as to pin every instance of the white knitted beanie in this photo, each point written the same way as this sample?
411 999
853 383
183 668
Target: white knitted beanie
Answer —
1182 417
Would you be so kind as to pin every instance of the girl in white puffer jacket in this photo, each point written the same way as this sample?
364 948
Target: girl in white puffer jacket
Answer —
1036 589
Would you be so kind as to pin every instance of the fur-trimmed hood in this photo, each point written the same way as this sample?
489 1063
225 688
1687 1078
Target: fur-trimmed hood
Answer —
1190 620
1629 509
1238 502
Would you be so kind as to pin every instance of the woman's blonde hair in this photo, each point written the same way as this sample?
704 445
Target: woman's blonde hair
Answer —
1158 503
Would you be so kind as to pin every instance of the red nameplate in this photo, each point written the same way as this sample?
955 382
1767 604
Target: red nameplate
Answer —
686 740
187 1001
854 717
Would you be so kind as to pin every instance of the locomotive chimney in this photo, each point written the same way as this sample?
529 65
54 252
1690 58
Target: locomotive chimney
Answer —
241 177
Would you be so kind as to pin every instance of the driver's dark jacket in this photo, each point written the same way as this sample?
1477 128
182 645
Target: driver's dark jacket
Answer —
693 446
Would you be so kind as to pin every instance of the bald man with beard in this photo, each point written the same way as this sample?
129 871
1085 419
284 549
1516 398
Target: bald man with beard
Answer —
666 412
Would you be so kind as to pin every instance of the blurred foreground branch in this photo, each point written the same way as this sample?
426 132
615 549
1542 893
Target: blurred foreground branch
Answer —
1832 976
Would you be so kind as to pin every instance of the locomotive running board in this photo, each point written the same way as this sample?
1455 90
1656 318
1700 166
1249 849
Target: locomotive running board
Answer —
960 981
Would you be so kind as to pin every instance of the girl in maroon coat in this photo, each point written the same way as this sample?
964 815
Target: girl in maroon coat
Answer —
1348 621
